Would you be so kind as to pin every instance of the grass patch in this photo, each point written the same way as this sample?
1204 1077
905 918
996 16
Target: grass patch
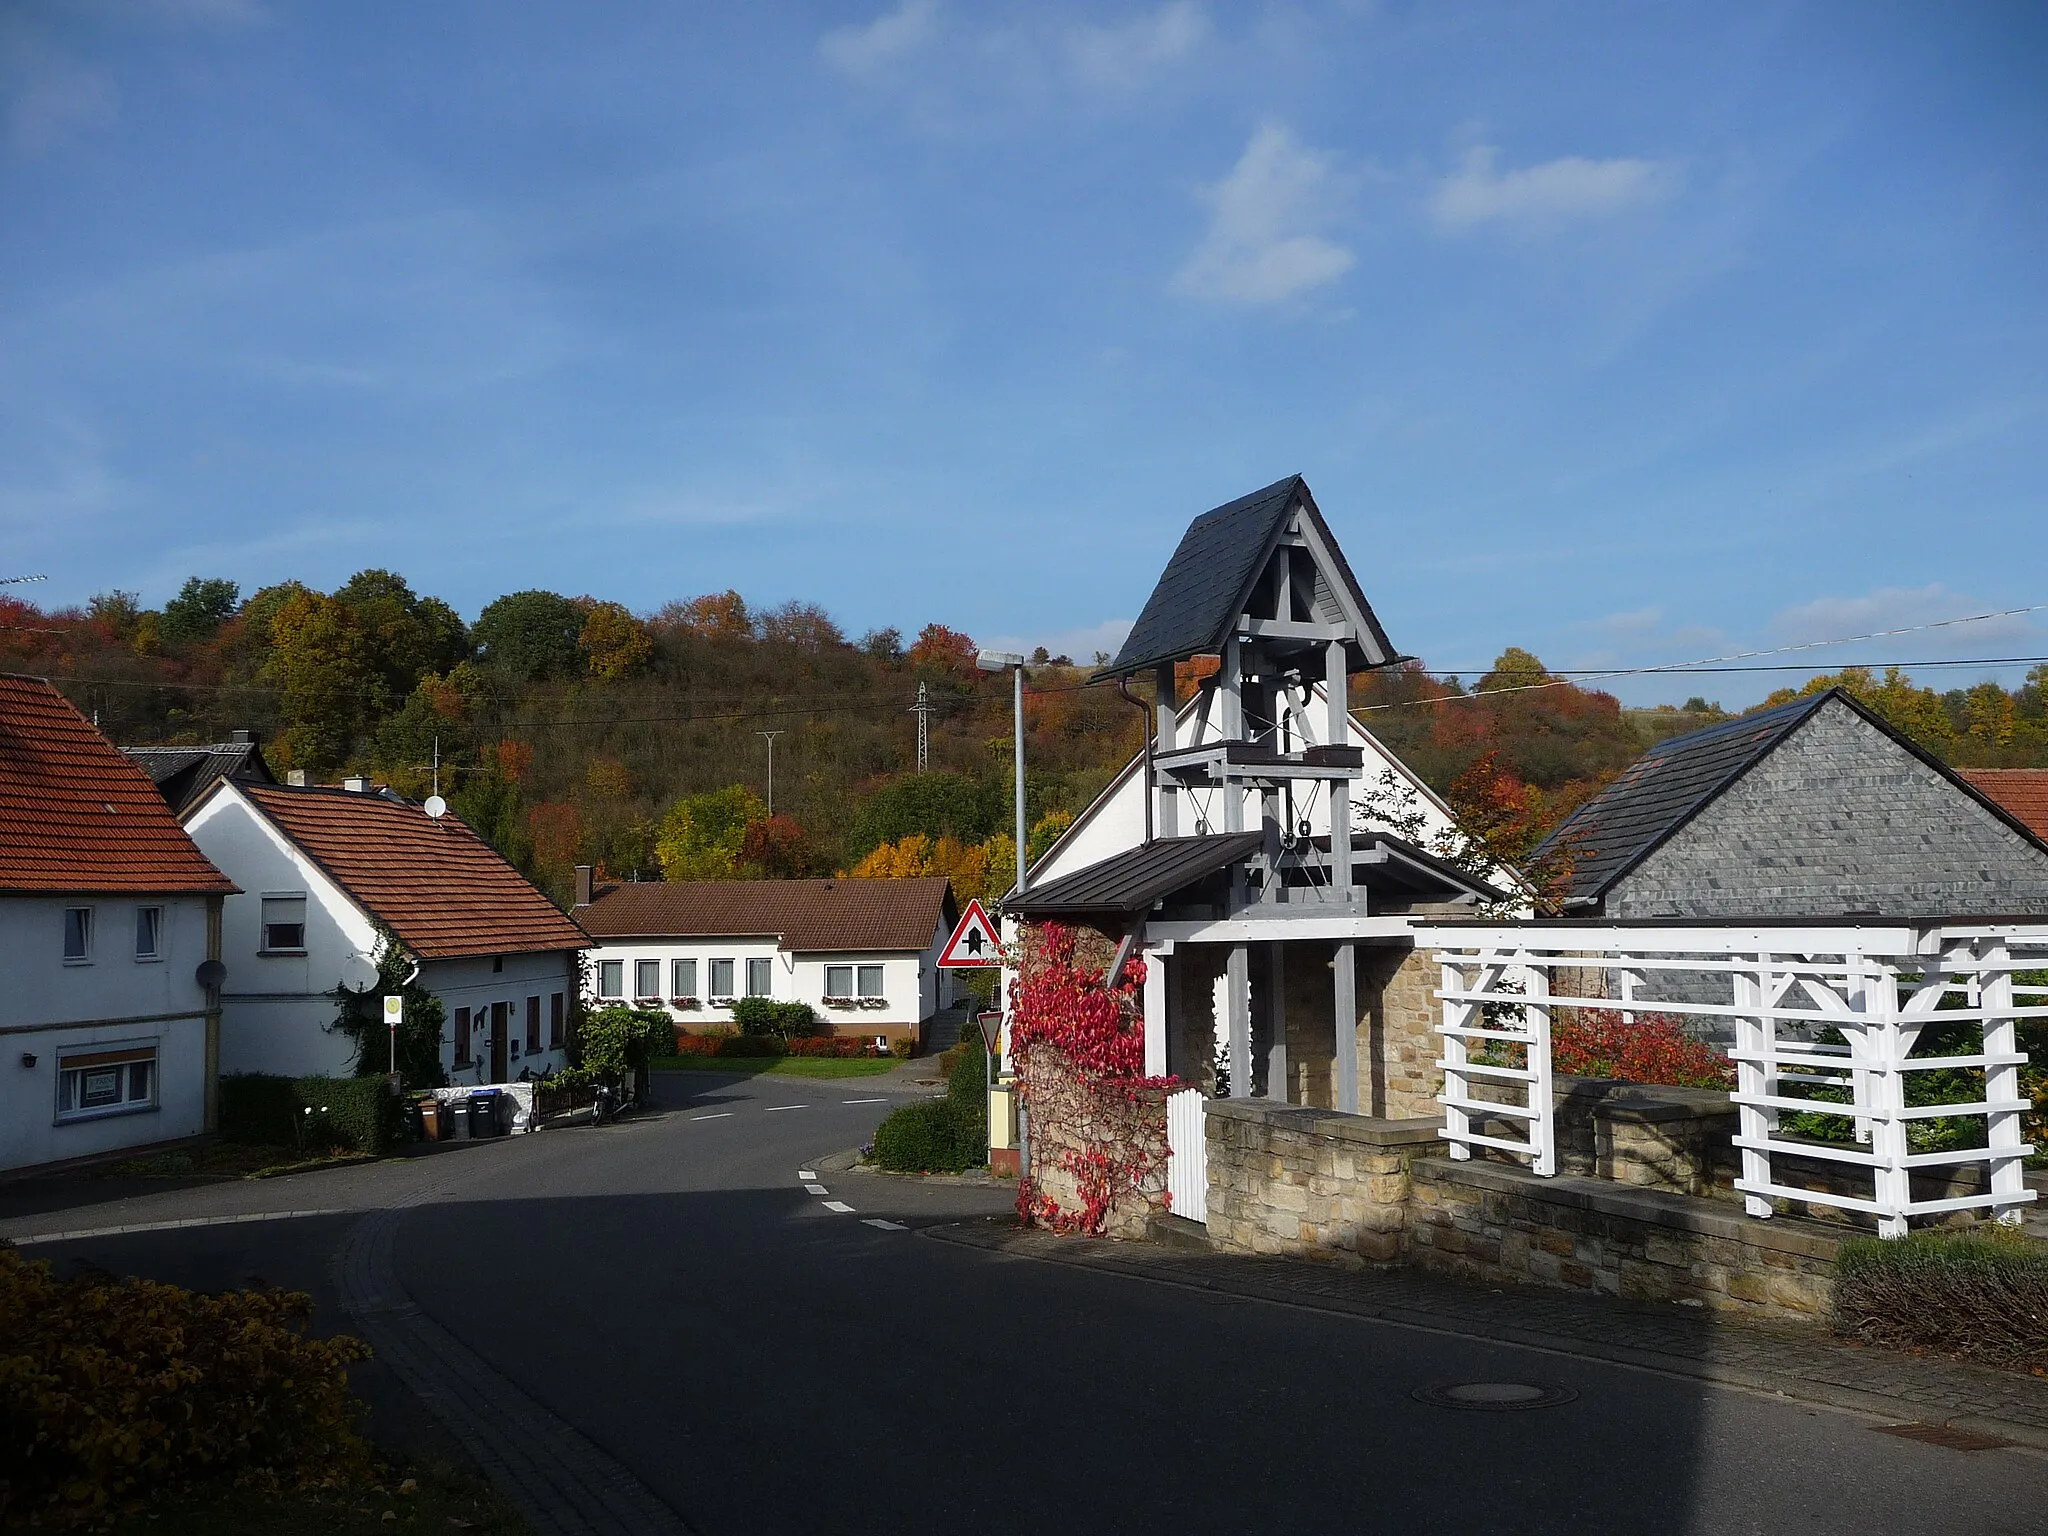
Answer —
780 1066
225 1160
440 1499
1980 1294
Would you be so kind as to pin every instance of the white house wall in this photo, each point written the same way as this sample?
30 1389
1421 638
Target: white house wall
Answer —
474 983
49 1009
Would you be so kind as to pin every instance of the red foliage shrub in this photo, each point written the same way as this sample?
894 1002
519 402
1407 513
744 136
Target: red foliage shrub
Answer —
756 1046
1596 1042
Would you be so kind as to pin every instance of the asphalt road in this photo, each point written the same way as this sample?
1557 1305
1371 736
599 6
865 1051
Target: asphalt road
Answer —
767 1364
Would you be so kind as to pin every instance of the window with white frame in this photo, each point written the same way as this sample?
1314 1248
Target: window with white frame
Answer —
284 925
871 981
611 978
646 978
683 978
78 935
106 1080
149 933
721 978
839 981
760 976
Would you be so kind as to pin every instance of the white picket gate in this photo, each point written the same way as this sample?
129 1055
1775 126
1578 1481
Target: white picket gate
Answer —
1187 1148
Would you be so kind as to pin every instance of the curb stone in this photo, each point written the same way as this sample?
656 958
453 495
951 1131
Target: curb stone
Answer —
1913 1389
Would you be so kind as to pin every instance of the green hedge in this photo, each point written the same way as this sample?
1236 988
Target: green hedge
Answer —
1981 1294
942 1135
357 1112
764 1016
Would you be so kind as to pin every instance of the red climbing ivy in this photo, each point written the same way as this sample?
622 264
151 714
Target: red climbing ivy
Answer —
1079 1048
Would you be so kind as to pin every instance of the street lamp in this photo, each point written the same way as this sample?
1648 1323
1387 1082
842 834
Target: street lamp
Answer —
997 661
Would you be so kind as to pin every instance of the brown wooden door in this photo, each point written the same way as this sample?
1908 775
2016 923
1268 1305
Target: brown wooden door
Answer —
500 1021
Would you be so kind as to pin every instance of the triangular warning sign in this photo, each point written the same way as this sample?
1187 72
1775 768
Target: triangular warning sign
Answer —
975 943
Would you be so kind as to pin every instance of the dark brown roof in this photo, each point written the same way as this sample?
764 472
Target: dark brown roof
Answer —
804 916
183 774
442 889
1132 880
75 815
2021 792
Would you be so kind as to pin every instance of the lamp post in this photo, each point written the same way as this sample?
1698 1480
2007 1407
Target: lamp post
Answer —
996 661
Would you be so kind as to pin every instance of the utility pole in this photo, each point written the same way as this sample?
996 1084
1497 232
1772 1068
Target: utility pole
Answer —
922 709
997 661
771 735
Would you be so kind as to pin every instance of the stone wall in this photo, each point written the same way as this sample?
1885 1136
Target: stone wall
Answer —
1397 1040
1488 1222
1288 1179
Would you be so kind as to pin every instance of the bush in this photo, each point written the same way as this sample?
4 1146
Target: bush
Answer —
755 1046
765 1016
1984 1296
113 1391
617 1042
931 1136
1595 1042
356 1112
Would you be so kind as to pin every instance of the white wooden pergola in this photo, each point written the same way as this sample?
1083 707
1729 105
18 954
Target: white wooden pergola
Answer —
1879 984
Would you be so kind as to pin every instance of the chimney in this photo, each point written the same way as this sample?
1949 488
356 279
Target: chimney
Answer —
241 739
295 777
582 885
356 784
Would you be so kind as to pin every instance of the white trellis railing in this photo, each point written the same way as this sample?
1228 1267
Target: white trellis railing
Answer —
1821 1015
1187 1154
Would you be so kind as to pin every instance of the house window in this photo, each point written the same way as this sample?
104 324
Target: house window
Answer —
149 933
555 1021
462 1037
77 935
760 973
532 1025
683 973
721 978
113 1081
647 978
611 978
871 981
839 981
284 925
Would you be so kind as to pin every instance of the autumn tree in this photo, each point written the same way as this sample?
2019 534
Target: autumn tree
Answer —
323 668
943 651
616 644
531 635
703 836
776 848
201 607
714 616
407 636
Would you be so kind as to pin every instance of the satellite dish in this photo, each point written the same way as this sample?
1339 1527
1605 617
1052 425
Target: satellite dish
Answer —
435 807
358 975
211 973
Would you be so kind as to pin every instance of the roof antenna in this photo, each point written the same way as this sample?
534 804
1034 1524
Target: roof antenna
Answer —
436 807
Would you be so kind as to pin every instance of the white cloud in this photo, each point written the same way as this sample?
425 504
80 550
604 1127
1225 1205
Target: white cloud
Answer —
1572 187
866 49
1262 246
1829 618
1119 57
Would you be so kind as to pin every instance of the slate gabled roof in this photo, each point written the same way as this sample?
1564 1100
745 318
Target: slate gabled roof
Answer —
1132 880
806 916
1671 783
78 817
1205 584
442 889
183 774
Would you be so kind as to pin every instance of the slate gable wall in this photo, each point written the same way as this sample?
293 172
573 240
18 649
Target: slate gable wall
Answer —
1839 818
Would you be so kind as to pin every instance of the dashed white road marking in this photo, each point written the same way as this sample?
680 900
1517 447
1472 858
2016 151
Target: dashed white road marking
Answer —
840 1206
886 1226
807 1173
723 1114
817 1189
863 1101
776 1109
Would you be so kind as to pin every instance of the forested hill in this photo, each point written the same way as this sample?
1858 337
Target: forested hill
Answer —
570 730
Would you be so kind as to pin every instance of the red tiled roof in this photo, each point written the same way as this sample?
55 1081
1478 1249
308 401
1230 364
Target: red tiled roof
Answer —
807 916
443 890
2022 793
75 815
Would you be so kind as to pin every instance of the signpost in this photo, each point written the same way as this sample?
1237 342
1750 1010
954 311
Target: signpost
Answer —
394 1015
975 944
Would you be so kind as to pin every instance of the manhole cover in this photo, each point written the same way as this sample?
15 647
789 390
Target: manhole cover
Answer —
1943 1434
1495 1396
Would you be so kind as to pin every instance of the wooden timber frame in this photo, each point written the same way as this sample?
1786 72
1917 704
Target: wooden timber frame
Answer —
1823 1014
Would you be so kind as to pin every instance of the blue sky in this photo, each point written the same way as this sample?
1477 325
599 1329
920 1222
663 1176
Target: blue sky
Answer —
1625 333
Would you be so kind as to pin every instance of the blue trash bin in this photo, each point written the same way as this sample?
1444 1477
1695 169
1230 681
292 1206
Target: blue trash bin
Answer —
483 1113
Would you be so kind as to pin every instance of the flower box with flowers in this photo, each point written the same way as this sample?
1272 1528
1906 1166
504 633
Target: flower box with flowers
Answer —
841 1002
685 1003
874 1002
722 1002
